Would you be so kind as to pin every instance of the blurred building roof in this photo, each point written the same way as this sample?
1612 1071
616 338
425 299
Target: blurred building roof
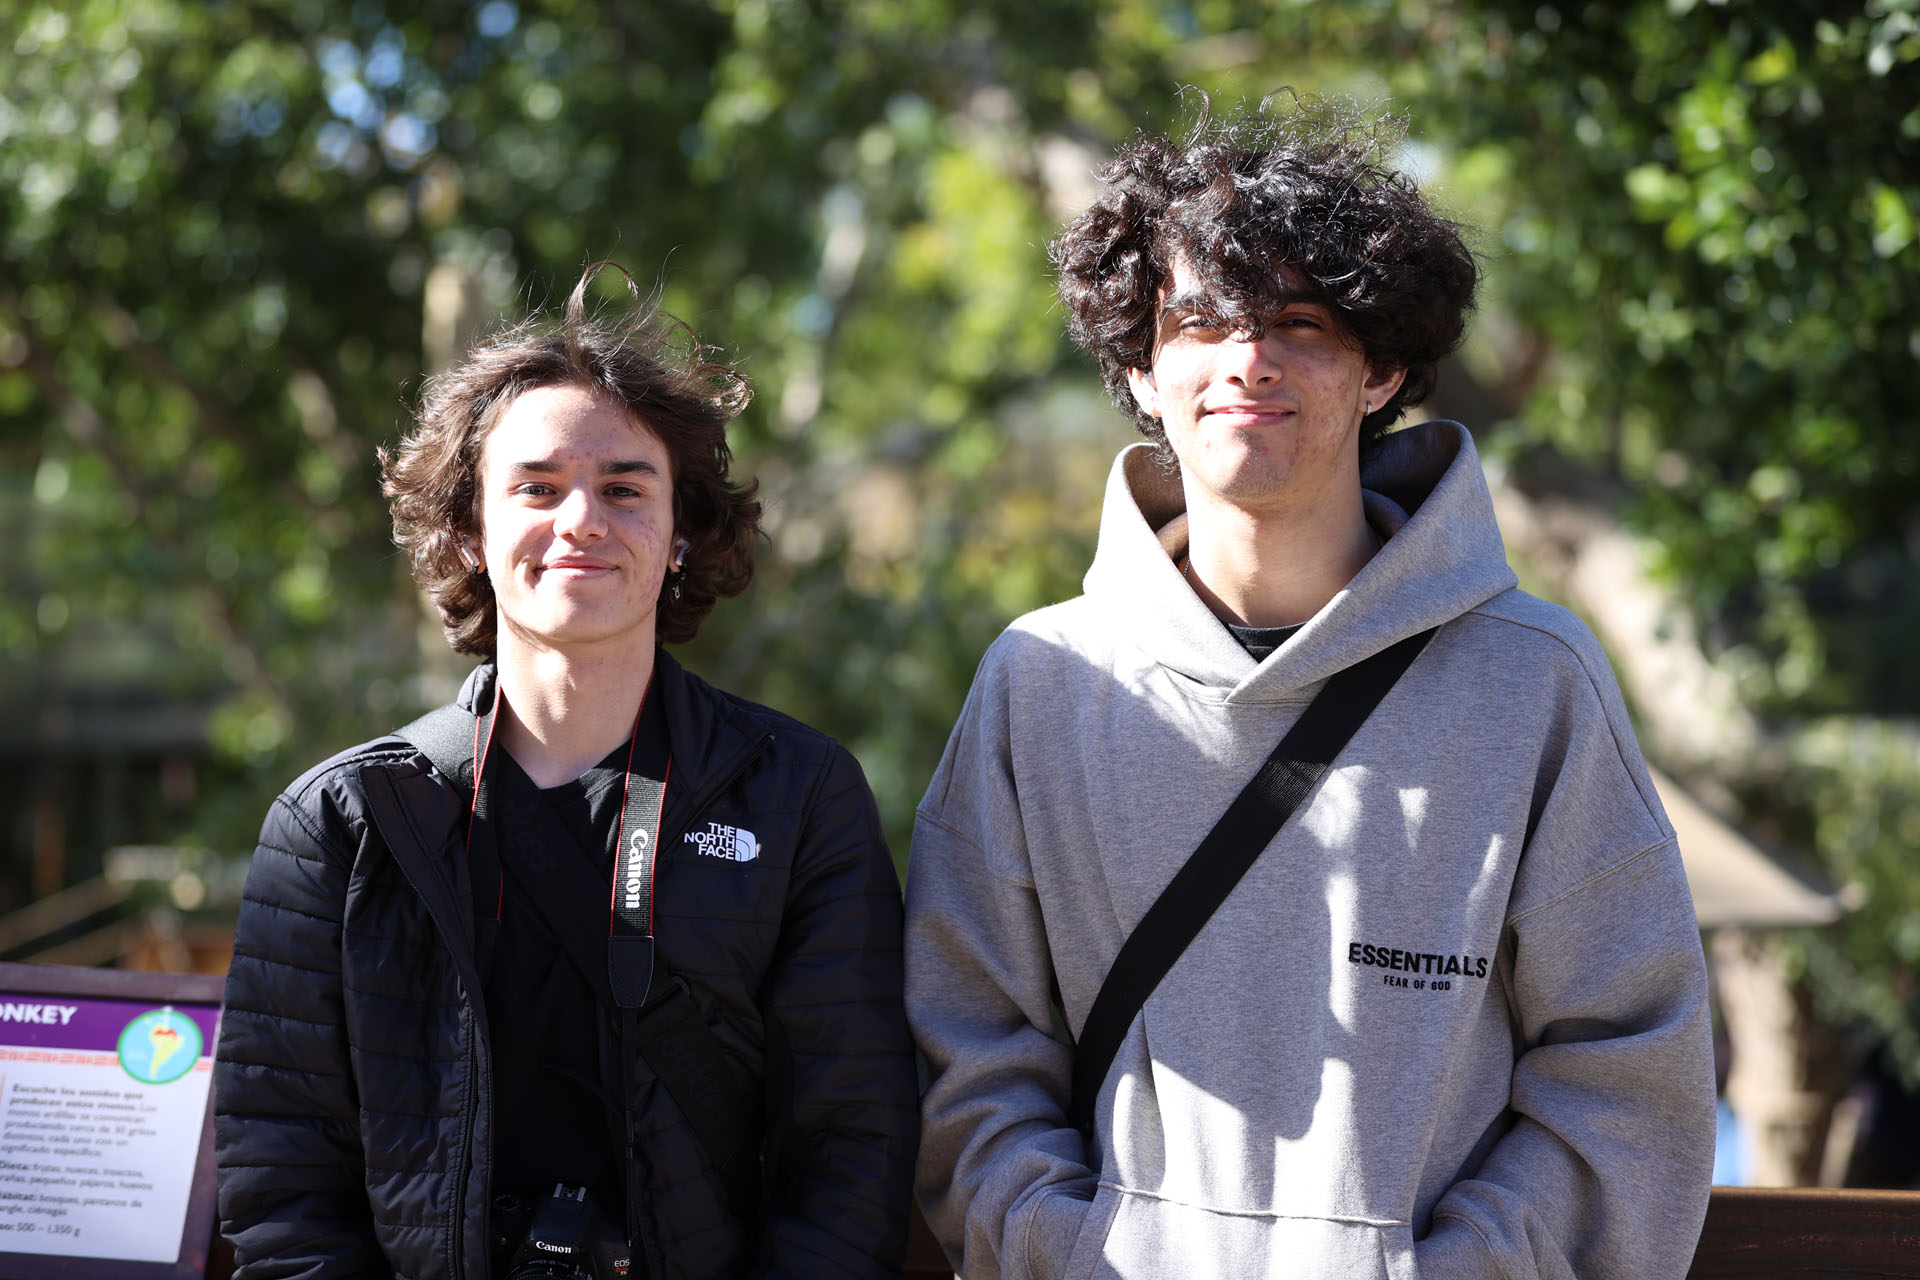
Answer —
1735 883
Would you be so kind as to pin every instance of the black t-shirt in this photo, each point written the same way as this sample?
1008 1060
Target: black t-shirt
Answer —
1262 641
556 1080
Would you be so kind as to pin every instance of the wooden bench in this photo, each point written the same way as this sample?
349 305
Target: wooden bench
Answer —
1751 1234
1757 1233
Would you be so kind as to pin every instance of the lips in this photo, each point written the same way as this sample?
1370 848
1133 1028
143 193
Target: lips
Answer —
576 564
1252 411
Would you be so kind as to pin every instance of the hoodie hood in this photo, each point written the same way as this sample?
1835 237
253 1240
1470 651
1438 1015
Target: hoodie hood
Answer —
1441 556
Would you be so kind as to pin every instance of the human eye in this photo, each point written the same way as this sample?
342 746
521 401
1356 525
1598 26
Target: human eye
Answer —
1305 318
631 486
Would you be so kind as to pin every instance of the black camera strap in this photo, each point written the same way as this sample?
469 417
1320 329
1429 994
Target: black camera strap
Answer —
657 1017
1243 832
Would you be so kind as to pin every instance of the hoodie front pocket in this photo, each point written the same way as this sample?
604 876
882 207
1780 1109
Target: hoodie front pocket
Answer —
1396 1253
1150 1238
1090 1245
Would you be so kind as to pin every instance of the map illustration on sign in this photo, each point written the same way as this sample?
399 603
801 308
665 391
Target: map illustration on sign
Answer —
159 1046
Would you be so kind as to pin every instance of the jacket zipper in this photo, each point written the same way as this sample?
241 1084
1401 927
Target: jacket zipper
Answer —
415 850
465 1166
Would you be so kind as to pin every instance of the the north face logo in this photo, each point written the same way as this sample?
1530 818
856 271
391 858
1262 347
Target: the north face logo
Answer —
734 844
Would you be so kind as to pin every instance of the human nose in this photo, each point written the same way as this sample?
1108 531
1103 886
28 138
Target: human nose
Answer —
1249 361
579 517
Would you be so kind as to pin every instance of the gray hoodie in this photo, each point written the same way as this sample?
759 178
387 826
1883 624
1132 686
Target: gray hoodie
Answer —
1453 1023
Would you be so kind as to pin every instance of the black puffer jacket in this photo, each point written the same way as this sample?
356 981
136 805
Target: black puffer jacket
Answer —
352 1094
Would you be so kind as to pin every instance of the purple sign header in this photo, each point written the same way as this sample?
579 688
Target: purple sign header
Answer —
75 1022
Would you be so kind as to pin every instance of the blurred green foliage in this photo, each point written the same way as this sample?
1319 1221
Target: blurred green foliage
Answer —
1709 215
224 229
1853 793
220 228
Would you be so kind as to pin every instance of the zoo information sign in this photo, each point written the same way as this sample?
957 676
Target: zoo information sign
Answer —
105 1146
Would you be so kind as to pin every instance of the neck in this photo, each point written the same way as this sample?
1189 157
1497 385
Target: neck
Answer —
1276 567
562 712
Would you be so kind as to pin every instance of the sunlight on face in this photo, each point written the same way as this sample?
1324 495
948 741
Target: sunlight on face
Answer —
576 517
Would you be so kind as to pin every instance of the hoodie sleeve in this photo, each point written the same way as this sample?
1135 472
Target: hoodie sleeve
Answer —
1605 1170
1002 1176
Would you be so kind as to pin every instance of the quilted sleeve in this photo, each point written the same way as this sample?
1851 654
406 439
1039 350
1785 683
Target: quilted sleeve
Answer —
292 1192
836 991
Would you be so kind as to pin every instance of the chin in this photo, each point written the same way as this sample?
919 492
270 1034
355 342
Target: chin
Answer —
576 632
1253 482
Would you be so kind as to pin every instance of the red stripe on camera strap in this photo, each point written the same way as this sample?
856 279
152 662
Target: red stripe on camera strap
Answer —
636 840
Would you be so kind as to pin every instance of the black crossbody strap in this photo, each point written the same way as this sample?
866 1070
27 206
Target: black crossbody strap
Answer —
718 1102
445 736
670 1033
1236 841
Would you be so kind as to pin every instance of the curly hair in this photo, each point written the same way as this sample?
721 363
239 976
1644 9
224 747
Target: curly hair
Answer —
1238 200
648 362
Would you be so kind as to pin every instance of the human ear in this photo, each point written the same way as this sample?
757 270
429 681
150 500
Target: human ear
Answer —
1380 387
1145 394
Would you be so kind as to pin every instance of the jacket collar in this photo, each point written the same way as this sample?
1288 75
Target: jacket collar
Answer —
712 735
713 738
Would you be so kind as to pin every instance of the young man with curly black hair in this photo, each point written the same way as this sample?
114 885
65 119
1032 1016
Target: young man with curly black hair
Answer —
599 958
1451 1021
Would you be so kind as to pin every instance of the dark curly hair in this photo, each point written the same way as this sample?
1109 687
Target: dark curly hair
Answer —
1305 186
645 360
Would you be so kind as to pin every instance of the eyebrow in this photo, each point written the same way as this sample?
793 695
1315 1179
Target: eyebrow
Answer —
1192 302
613 467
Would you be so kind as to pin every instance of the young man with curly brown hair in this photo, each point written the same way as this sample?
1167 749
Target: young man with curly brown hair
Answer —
599 963
1450 1021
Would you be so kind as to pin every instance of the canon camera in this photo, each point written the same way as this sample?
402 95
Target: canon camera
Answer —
566 1237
